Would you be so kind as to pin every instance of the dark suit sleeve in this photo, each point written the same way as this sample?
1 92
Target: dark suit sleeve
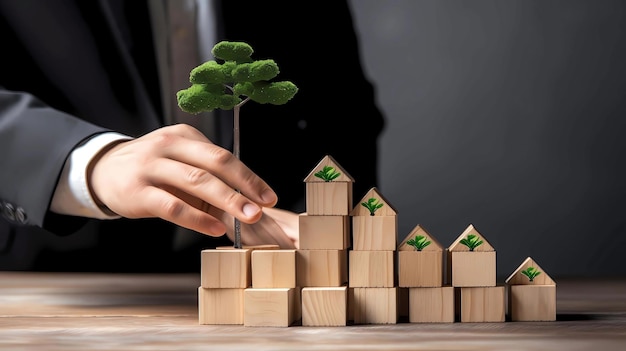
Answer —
35 141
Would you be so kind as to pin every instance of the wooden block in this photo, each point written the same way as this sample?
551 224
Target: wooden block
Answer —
473 268
371 269
484 304
431 305
420 269
321 268
220 306
532 302
225 268
269 307
328 198
375 305
324 307
324 232
374 233
274 268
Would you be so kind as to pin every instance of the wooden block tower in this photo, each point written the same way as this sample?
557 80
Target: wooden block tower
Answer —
472 272
321 259
420 269
274 299
372 261
225 273
531 293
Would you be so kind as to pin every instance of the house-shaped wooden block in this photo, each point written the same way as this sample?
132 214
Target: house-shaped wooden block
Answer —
469 267
531 293
374 228
417 266
328 196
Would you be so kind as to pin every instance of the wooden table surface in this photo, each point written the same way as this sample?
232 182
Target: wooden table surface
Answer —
83 311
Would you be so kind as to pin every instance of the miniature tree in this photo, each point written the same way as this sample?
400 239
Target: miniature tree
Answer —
229 84
471 241
372 205
419 242
531 273
327 174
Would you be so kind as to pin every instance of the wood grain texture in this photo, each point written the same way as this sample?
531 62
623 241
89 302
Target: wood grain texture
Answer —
84 311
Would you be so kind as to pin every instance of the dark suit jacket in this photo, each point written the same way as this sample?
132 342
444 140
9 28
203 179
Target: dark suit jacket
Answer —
70 69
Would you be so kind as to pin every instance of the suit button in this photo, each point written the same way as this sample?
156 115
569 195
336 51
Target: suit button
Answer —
8 211
20 216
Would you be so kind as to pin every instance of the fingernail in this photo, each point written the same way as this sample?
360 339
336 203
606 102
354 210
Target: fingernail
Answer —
251 210
268 196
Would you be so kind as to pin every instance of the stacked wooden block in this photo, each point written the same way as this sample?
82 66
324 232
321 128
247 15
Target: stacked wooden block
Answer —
349 267
374 294
224 275
322 271
472 273
531 293
420 270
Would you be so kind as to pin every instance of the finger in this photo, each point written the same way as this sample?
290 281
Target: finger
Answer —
224 165
174 209
205 186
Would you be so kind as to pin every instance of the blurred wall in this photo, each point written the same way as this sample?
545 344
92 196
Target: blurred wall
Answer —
509 115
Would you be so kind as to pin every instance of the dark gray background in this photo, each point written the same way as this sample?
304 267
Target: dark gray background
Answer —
508 115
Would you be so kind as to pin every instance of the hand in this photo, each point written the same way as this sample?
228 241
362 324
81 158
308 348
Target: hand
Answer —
276 226
177 174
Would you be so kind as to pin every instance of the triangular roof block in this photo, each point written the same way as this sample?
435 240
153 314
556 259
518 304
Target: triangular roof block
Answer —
385 210
329 161
419 230
457 246
517 278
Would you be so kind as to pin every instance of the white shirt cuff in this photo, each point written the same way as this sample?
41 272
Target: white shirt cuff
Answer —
72 196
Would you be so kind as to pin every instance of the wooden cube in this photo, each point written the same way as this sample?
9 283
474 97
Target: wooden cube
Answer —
328 198
483 304
225 268
269 307
372 269
220 306
324 306
431 305
420 269
375 305
374 233
321 268
532 302
324 232
274 268
473 268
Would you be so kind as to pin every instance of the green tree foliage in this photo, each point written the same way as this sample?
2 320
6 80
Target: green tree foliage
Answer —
233 81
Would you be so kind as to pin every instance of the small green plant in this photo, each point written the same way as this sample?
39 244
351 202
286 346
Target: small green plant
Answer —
372 205
471 241
328 174
419 242
531 273
228 82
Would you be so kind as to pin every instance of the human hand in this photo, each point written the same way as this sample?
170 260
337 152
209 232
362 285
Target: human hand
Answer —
177 174
276 226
